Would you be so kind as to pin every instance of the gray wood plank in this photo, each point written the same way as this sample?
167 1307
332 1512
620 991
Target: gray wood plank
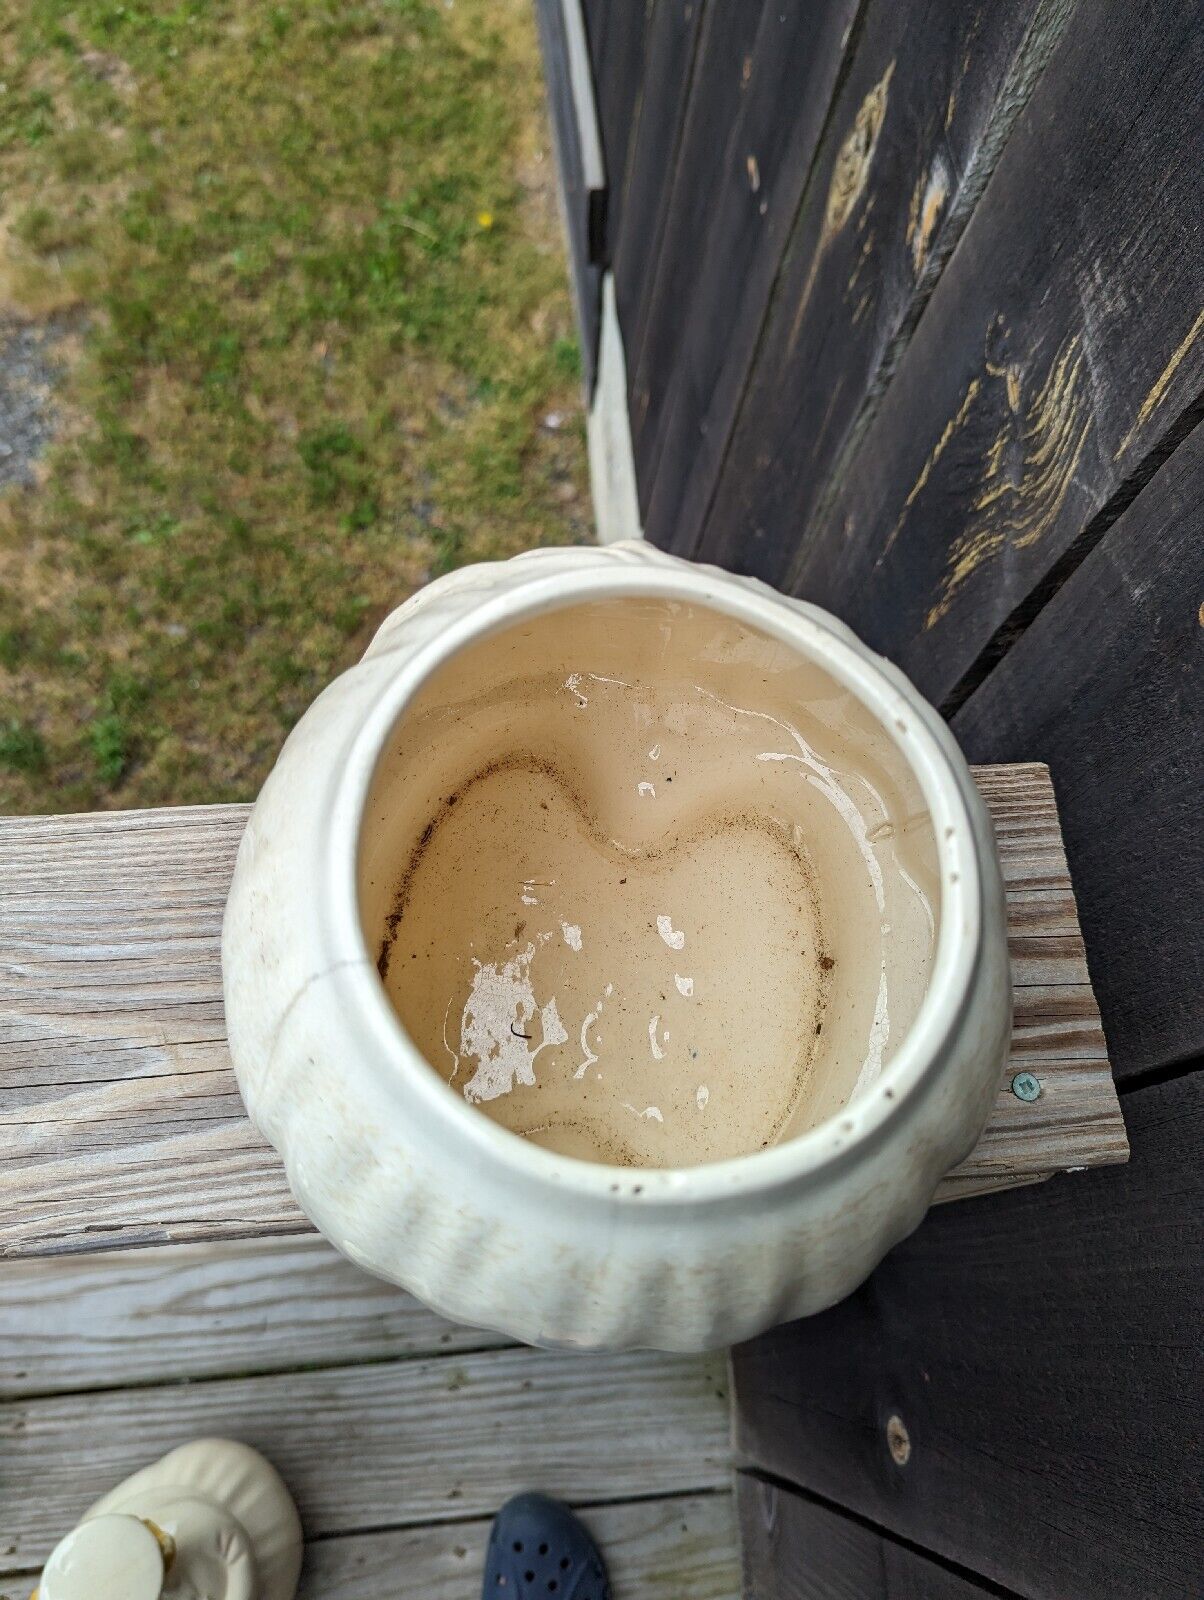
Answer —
655 1550
666 1549
931 95
1045 379
106 1321
1043 1354
122 1123
793 1548
1108 684
388 1444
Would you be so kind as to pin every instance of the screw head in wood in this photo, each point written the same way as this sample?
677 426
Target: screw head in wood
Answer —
898 1441
1026 1087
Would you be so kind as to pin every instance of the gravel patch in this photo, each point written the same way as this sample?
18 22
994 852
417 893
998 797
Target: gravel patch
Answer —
29 371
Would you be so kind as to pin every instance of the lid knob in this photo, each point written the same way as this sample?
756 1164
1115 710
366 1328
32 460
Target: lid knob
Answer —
106 1558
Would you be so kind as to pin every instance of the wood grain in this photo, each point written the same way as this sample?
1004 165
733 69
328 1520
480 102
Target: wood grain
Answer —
721 81
793 69
668 63
794 1548
929 100
1044 1354
683 1548
207 1310
122 1120
1044 381
617 32
386 1444
1115 707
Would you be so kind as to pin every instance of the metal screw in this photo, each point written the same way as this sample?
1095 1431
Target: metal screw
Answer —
1026 1087
898 1441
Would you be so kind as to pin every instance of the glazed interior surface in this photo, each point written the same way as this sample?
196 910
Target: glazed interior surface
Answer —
646 886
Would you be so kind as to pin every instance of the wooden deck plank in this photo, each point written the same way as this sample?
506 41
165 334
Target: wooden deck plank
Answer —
120 1119
387 1444
666 1549
75 1323
671 1549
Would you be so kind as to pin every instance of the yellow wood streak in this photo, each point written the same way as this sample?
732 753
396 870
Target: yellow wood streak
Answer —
856 155
1158 392
934 456
1028 472
927 198
850 173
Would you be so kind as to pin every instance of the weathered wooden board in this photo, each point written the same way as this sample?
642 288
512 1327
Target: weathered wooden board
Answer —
670 44
582 200
722 75
122 1123
208 1310
617 32
682 1548
794 1548
1045 379
667 1549
928 102
1108 686
1043 1355
388 1443
792 73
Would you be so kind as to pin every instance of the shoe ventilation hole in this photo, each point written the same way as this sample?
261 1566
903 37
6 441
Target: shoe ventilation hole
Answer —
543 1549
552 1586
518 1547
565 1563
529 1577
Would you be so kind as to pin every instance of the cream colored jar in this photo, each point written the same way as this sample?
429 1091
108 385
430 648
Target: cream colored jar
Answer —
415 1058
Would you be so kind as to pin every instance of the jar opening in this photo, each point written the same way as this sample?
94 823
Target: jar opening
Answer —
646 885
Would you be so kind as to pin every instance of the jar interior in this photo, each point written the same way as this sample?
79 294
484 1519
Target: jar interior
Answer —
646 886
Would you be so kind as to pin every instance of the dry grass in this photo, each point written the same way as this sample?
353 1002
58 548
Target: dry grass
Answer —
314 253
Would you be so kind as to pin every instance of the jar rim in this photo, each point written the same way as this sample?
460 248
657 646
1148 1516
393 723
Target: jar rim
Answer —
925 745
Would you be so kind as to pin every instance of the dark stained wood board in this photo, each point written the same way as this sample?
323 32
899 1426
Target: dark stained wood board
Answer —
721 79
796 61
931 94
793 1548
1043 1355
562 115
122 1123
1060 351
669 49
617 31
1107 685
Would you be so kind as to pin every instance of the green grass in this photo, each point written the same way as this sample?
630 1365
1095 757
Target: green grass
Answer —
315 259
